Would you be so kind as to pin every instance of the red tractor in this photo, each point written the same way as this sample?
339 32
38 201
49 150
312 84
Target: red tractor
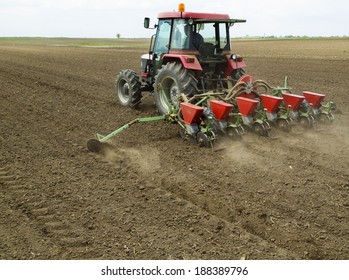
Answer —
189 54
198 83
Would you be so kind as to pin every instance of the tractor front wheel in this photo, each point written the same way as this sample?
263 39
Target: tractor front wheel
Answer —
172 80
128 88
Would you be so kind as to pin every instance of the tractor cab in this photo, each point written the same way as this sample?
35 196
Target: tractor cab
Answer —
199 41
181 34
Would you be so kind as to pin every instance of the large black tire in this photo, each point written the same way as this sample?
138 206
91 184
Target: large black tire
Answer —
128 88
172 80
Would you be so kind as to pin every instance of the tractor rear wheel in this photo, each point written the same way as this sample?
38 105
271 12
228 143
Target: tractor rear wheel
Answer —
172 80
128 88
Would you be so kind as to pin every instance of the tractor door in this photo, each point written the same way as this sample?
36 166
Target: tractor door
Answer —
162 42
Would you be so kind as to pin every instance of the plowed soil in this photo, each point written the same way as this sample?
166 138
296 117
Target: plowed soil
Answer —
150 194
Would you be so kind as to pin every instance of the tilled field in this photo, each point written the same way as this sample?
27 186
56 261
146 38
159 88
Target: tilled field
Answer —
150 194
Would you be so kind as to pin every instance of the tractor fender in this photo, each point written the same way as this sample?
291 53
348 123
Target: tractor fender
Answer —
233 65
188 61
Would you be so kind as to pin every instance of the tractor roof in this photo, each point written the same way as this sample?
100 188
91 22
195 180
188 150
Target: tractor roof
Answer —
192 15
198 17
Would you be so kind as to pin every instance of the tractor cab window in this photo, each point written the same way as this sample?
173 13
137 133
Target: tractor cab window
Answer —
163 37
185 36
224 38
215 34
179 39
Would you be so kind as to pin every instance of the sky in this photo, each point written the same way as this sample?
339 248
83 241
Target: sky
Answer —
107 18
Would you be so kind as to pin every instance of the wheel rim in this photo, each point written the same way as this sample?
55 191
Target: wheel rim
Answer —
174 92
124 91
169 93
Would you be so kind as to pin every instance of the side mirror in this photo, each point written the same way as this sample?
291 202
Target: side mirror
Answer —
146 22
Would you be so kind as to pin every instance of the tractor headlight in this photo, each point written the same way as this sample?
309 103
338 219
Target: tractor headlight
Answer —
236 57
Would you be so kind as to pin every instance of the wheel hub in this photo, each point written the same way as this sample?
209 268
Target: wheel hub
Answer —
174 93
125 89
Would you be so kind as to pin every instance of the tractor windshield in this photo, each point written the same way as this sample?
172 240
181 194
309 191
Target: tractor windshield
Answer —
190 37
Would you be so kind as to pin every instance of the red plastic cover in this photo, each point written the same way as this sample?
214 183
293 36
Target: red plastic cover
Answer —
293 100
221 109
191 113
314 98
247 79
247 107
271 103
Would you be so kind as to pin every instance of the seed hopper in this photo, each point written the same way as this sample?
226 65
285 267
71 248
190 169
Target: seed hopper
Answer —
306 109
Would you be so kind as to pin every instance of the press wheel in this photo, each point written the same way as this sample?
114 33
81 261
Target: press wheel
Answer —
325 118
305 122
202 139
260 129
233 133
285 125
94 145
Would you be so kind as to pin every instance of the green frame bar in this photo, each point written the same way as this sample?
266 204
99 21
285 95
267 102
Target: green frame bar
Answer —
102 138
